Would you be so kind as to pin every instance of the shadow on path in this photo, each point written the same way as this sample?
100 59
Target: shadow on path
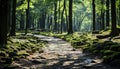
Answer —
59 54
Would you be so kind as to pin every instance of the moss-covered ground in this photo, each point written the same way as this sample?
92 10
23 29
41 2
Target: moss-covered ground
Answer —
18 47
106 47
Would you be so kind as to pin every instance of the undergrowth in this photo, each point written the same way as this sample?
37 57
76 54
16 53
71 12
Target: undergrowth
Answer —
108 50
20 47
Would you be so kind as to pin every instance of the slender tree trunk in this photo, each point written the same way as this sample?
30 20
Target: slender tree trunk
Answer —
59 18
62 17
48 22
10 15
12 31
22 21
93 6
42 21
119 14
103 15
62 21
27 17
107 13
55 16
51 20
114 31
66 14
70 29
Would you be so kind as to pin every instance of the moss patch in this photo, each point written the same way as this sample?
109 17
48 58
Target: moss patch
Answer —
20 47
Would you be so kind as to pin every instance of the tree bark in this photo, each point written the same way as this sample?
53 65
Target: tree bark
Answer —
107 13
3 21
114 31
22 21
119 14
59 17
70 29
27 17
102 15
62 17
93 6
55 16
13 27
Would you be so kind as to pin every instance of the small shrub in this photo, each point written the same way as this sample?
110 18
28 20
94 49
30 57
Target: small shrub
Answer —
108 52
115 47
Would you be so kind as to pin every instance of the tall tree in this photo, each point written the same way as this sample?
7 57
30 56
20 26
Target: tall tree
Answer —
107 13
66 14
102 15
114 31
119 12
3 21
59 15
22 21
62 17
13 27
55 16
93 6
70 29
27 16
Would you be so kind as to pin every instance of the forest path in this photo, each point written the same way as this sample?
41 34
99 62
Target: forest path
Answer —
59 54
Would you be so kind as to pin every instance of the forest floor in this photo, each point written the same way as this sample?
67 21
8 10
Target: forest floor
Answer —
59 54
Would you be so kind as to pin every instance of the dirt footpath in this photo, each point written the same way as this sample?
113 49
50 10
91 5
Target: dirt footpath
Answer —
59 54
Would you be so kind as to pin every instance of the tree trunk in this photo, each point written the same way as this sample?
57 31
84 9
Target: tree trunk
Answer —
102 15
42 21
114 31
59 18
93 6
66 14
27 17
55 16
22 22
10 15
107 13
70 29
51 20
3 22
119 13
62 17
13 27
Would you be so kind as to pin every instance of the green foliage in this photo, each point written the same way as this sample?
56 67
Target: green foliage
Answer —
108 52
76 39
108 49
25 4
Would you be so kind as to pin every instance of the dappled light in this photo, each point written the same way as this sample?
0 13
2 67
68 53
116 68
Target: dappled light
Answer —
59 34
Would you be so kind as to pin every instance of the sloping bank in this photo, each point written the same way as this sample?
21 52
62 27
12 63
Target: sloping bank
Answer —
19 47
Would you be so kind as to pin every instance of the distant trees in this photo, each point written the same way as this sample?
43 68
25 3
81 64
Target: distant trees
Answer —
13 25
101 15
51 15
57 16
